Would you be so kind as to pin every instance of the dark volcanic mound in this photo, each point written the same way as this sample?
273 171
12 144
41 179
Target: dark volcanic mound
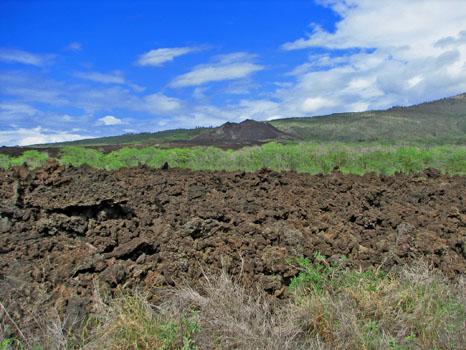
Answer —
246 132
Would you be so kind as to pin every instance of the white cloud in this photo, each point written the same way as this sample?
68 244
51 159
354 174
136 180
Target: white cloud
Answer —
228 67
24 57
110 120
112 78
157 103
399 23
74 46
159 56
115 77
414 81
198 92
15 110
312 104
256 109
24 137
380 54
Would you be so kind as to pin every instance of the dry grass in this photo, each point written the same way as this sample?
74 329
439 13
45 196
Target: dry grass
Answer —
412 308
232 318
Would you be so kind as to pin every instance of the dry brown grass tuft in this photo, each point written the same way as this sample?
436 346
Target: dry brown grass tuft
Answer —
412 308
232 318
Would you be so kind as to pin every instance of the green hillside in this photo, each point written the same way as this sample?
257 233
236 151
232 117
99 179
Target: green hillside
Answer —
439 121
131 139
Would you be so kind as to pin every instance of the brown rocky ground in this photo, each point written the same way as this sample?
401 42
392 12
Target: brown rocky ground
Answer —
63 228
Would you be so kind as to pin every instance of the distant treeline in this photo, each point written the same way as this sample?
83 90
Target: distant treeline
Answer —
306 157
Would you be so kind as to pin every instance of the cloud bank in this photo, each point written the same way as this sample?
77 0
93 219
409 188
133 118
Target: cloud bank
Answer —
380 54
24 137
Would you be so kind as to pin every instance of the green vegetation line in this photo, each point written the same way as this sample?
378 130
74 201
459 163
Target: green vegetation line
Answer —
304 157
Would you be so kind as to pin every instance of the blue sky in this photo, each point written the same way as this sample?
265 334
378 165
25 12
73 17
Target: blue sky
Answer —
78 69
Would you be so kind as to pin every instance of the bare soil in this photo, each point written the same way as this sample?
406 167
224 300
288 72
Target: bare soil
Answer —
64 228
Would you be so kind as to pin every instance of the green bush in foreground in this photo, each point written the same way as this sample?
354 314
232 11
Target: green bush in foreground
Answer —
329 307
306 157
32 159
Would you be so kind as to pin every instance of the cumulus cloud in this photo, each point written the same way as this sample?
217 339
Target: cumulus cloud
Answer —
24 136
227 67
160 56
24 57
110 120
380 54
399 23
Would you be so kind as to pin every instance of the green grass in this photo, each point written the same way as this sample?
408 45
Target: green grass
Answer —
129 322
304 157
411 309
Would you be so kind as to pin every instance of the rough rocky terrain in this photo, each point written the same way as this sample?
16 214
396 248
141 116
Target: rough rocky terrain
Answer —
62 229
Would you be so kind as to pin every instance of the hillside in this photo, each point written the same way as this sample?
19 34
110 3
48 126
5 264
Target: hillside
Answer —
433 122
131 139
437 121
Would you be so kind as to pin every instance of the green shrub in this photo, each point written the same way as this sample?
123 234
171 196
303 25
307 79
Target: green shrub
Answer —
5 161
305 157
32 159
78 156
